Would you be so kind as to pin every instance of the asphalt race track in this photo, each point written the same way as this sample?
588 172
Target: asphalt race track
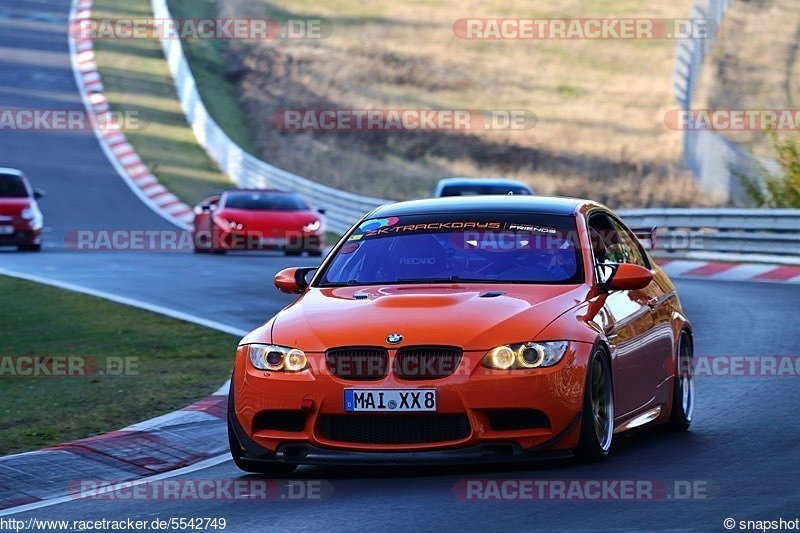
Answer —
743 446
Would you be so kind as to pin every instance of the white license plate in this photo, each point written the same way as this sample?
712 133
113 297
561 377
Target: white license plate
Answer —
6 230
273 241
390 400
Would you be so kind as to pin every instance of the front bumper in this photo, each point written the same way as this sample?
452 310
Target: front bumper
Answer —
501 452
472 391
21 236
290 241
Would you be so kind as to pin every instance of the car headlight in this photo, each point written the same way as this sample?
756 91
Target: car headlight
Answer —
33 216
526 355
228 225
277 358
311 227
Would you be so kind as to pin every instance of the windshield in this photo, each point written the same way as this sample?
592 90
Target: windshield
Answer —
265 201
475 190
12 186
492 248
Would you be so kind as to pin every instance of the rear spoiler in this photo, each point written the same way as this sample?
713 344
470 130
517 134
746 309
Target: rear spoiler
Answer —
648 237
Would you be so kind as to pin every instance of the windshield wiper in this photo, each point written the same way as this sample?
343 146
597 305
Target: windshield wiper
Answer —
451 279
348 283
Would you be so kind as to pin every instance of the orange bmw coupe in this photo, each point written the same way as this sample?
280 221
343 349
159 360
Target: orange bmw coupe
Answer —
462 330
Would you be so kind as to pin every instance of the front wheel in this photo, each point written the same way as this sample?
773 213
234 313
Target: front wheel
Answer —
597 421
29 247
683 392
199 244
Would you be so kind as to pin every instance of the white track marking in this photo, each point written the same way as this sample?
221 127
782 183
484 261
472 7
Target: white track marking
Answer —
219 326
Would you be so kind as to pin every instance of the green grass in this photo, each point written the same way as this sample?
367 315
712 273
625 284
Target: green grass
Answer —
136 78
177 363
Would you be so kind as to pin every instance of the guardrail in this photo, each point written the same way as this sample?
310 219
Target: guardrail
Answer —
742 231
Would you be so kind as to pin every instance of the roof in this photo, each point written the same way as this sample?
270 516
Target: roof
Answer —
547 205
479 181
12 171
258 190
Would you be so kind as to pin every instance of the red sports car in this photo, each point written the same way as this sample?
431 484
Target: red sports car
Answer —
258 219
491 328
21 221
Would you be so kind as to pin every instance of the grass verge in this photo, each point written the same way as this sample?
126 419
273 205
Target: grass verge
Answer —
175 364
136 78
600 103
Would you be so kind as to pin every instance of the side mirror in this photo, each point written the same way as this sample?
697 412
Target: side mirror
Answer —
206 208
293 280
38 194
626 277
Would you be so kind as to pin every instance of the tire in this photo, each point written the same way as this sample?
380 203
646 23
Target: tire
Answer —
597 420
315 253
256 467
199 246
292 253
683 391
29 247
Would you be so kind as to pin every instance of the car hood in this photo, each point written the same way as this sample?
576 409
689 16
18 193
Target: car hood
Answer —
269 222
12 207
474 317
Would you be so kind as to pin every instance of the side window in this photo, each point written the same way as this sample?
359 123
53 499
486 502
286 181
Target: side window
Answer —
627 246
600 233
601 237
613 243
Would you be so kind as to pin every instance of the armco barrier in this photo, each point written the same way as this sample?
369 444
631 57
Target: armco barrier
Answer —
743 231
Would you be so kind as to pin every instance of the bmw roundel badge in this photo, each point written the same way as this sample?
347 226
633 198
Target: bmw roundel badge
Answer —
394 338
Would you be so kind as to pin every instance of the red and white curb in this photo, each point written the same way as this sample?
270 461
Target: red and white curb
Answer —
163 444
112 139
731 271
